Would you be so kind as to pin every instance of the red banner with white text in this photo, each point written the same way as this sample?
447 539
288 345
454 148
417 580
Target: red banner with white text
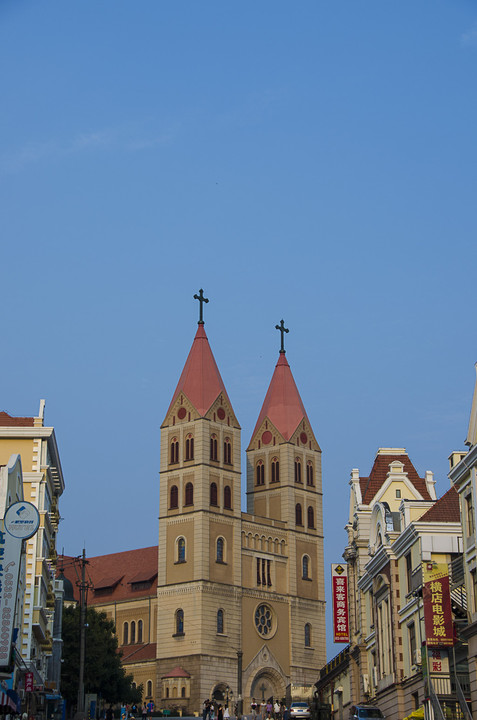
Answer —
339 590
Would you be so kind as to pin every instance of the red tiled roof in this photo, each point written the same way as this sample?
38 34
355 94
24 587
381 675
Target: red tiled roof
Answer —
377 477
7 420
177 672
200 381
446 509
138 653
121 568
282 405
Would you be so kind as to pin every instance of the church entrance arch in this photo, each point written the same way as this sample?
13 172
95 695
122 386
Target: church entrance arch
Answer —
267 683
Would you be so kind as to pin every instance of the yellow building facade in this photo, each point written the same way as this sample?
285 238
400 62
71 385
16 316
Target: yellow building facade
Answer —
39 642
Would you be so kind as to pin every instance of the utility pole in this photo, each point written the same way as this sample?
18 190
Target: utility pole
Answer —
239 685
83 588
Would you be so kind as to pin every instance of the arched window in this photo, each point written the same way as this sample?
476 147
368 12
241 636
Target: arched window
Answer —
125 633
181 550
307 635
189 494
275 470
309 473
213 447
174 691
189 447
213 494
139 631
133 633
227 497
298 514
174 497
306 567
220 550
167 692
149 688
179 622
297 470
183 692
260 473
220 621
311 517
174 450
227 451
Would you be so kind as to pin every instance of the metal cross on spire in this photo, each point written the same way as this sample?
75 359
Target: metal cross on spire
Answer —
283 330
200 297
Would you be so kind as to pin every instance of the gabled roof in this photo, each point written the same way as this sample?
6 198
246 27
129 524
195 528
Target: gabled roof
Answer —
7 420
138 653
200 381
282 405
379 472
177 672
446 509
114 576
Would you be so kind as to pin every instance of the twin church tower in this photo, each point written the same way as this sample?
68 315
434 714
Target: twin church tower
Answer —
240 595
231 604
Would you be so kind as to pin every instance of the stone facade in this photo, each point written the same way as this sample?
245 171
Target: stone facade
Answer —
236 600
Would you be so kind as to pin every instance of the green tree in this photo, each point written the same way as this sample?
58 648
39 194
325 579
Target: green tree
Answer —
103 672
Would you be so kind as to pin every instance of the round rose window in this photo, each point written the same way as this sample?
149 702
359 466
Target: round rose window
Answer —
264 620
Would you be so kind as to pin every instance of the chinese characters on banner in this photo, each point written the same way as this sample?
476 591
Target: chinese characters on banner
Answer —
29 682
437 605
339 589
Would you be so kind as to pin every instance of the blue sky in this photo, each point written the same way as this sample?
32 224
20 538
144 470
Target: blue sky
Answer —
311 161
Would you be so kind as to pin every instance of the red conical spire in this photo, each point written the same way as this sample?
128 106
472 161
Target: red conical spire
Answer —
200 380
282 405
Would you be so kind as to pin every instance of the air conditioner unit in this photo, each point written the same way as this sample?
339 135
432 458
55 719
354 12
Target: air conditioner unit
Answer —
417 656
375 676
365 684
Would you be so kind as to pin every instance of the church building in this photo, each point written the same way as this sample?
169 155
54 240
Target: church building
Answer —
235 607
